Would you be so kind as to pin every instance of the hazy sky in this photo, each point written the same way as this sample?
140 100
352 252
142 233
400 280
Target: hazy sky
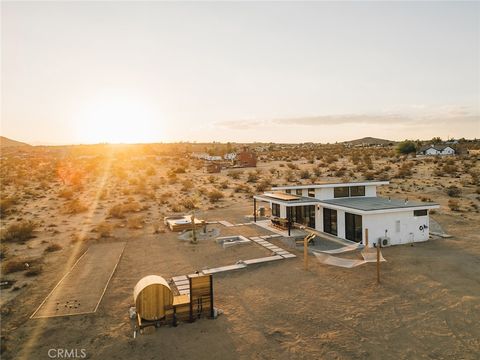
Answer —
83 72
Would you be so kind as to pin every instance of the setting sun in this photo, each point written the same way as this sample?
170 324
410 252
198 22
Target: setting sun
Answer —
115 118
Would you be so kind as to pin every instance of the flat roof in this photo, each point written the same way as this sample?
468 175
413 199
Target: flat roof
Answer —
376 203
333 184
299 200
282 196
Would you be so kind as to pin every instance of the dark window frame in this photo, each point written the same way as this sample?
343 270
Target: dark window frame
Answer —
311 192
355 193
298 192
276 210
337 189
420 212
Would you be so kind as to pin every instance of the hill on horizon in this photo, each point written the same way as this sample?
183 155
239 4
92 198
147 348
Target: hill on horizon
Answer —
369 141
6 142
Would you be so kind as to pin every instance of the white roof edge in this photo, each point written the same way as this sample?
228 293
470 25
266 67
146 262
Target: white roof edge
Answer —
317 186
381 211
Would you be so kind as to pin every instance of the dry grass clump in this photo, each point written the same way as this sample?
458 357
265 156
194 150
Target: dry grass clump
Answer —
66 193
19 264
453 191
6 206
215 196
104 230
19 232
119 210
34 271
135 222
454 205
74 206
53 247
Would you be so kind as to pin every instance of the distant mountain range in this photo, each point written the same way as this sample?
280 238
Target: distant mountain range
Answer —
6 142
369 141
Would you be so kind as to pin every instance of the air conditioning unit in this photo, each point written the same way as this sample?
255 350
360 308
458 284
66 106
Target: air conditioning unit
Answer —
384 241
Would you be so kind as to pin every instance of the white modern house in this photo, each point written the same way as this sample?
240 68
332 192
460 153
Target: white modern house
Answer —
436 150
346 210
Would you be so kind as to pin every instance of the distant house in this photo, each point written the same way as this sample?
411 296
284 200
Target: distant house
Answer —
437 150
246 158
230 156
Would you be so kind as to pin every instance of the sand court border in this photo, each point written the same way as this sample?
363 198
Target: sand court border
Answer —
81 289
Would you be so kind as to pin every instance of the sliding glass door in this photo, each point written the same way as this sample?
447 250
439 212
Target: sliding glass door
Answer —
353 227
330 221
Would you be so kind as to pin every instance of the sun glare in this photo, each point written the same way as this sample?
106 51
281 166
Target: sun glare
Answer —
118 119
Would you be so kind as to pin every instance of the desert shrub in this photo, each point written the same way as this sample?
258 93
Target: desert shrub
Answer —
135 222
53 247
65 193
104 230
405 170
74 206
224 184
150 171
176 208
3 251
289 175
406 147
292 166
263 185
234 174
252 177
12 266
19 232
453 191
187 185
188 203
242 188
305 174
119 210
369 175
454 205
215 195
34 271
6 205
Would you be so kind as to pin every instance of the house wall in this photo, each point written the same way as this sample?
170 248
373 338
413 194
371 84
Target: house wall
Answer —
448 151
378 223
407 232
432 151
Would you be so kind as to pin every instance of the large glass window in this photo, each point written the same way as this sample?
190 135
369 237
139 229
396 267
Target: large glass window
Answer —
341 191
357 191
330 221
304 215
299 192
276 210
311 192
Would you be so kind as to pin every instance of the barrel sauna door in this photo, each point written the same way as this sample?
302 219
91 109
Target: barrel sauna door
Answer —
201 296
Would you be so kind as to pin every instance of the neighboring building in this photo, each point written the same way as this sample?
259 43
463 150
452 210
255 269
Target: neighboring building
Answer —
230 156
345 210
207 157
437 150
246 158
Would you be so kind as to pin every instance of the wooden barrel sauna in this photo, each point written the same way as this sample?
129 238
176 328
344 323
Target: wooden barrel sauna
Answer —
152 296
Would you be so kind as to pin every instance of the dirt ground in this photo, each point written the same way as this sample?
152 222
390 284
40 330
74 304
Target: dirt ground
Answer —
427 305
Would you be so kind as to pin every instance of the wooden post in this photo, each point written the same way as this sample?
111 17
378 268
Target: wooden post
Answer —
366 238
378 260
254 210
194 237
305 251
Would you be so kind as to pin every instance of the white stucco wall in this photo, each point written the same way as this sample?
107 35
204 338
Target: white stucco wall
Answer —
409 227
